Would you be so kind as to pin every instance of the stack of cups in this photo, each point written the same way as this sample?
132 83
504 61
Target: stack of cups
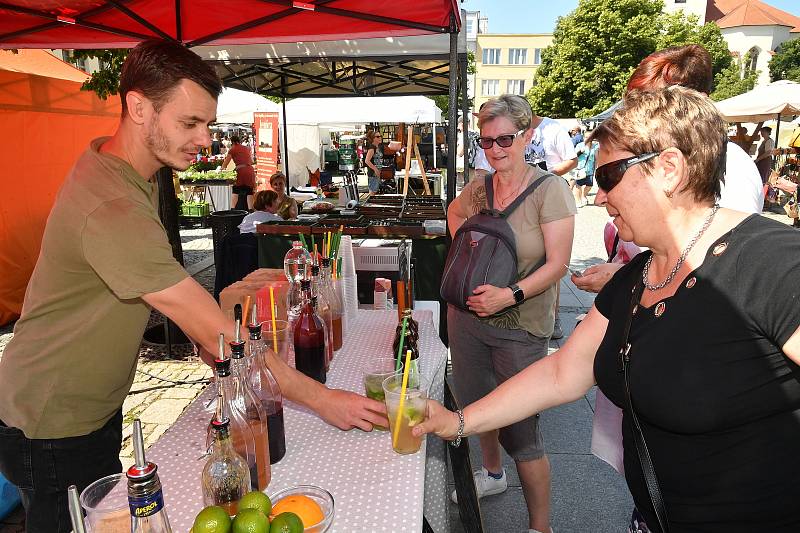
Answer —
348 279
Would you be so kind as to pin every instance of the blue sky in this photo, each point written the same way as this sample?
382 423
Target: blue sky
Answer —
539 16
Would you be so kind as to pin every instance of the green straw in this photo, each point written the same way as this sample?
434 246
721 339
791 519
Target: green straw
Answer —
313 248
303 240
402 341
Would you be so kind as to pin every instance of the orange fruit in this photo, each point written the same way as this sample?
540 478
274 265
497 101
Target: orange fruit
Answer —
306 508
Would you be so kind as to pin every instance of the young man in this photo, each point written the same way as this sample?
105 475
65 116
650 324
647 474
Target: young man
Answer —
105 261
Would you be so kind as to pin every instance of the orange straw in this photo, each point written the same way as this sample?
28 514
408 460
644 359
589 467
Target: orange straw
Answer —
272 312
403 387
246 309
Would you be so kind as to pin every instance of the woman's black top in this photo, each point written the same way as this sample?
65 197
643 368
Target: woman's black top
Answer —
718 401
379 159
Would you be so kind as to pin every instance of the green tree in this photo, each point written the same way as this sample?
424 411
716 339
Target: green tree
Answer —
443 100
596 48
785 64
104 82
730 82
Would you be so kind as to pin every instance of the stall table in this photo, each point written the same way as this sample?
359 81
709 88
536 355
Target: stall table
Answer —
374 489
216 192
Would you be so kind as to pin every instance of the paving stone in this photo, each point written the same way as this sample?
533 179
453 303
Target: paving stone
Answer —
155 433
163 411
182 392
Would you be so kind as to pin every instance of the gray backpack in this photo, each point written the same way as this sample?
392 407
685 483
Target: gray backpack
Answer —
483 251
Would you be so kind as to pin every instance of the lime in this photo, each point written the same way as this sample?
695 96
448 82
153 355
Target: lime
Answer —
250 521
286 523
414 416
256 500
213 519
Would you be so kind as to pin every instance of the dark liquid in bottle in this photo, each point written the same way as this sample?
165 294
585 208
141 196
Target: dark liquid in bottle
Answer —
309 347
277 438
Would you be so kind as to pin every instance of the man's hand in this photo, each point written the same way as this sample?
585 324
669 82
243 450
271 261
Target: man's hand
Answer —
595 277
346 410
488 300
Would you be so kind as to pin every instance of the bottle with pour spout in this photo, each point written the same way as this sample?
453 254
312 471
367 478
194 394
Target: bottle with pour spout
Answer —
145 498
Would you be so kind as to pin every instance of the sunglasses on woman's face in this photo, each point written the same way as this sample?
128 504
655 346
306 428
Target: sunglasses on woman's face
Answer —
610 174
503 141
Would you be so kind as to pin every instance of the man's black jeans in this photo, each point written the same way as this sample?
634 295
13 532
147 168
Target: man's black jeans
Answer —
44 468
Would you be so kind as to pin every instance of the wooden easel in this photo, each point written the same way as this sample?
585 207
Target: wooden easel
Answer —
411 143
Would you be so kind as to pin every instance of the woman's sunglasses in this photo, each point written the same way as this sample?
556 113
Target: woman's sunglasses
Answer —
610 174
503 141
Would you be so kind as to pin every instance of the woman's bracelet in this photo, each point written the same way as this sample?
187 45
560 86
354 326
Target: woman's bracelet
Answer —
457 442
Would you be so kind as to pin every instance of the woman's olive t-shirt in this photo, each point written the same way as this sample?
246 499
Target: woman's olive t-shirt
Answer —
718 401
551 201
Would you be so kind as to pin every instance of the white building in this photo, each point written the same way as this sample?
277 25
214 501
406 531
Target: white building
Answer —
473 25
748 26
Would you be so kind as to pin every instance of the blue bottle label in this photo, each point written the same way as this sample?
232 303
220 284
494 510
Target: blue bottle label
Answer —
146 506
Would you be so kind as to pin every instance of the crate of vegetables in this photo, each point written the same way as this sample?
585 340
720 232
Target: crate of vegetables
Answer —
195 209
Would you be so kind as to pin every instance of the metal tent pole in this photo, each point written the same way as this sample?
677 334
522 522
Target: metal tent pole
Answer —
462 71
452 113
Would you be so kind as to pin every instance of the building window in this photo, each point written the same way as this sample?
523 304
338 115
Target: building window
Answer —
516 87
491 56
680 1
490 87
537 56
470 26
517 56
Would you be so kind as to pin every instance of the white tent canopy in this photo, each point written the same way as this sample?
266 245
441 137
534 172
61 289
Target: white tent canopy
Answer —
763 103
237 107
349 111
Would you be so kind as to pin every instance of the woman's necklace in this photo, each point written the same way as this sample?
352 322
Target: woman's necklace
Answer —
503 201
681 259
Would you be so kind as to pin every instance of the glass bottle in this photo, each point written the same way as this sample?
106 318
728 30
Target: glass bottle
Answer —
319 292
226 477
145 498
309 339
408 344
243 439
268 392
250 405
297 267
335 301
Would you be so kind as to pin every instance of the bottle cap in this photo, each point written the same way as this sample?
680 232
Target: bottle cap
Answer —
237 349
220 425
255 330
305 284
138 473
326 261
223 367
315 270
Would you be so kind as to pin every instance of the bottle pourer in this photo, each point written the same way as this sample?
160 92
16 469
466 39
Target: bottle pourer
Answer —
75 512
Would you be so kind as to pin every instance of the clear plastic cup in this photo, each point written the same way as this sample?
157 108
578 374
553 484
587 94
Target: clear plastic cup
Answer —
281 337
414 410
375 373
106 505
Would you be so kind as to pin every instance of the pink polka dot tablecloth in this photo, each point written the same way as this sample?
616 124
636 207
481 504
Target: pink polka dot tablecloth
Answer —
374 489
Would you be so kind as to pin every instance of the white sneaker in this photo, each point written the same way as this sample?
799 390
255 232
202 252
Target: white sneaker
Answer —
486 485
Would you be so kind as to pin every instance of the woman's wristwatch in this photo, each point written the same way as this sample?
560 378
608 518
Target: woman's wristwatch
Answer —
460 433
519 296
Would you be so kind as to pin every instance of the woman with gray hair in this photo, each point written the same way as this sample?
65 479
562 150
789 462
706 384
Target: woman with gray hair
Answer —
696 339
508 328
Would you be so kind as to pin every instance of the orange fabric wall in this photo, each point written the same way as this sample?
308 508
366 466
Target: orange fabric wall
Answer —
46 123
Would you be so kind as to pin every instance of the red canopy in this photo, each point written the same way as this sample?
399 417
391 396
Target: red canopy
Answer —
121 24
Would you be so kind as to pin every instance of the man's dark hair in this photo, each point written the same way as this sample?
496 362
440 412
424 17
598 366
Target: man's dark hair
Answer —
235 139
766 129
688 66
155 67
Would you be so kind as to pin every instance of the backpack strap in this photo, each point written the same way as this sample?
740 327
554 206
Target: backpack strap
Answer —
488 185
524 194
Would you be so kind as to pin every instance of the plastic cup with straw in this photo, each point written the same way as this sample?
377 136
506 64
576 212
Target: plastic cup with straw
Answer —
274 327
411 408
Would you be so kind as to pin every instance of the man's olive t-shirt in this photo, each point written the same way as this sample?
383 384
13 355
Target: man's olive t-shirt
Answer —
73 356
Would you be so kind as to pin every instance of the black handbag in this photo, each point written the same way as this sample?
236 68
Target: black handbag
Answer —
648 471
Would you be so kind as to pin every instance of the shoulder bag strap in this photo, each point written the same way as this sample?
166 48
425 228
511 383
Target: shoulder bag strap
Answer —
488 185
613 253
641 446
524 194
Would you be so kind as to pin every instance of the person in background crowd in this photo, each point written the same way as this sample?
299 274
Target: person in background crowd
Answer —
380 157
688 66
226 145
764 153
287 206
508 327
105 264
713 350
216 144
584 173
245 174
576 135
265 208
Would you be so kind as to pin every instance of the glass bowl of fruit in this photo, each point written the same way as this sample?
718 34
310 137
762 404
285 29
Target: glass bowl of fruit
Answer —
313 505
